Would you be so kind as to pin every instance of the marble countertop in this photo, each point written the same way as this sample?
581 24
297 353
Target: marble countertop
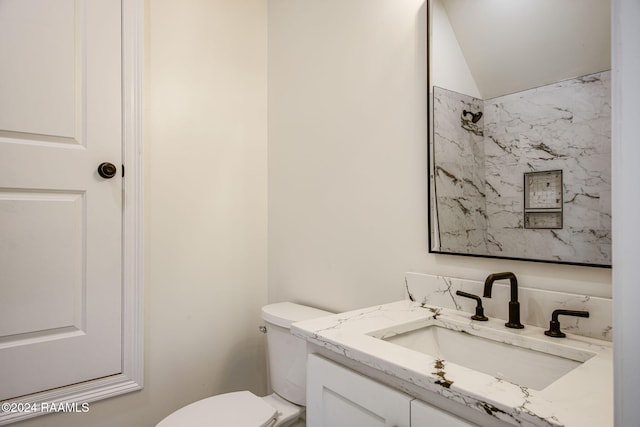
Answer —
582 397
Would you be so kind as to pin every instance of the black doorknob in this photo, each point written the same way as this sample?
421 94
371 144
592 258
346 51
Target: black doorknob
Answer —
107 170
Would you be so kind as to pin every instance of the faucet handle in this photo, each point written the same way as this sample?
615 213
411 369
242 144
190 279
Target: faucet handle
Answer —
554 325
479 309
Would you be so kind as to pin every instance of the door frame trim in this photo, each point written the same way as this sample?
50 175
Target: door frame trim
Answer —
132 376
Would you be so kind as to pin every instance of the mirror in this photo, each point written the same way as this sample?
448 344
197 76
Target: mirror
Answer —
520 129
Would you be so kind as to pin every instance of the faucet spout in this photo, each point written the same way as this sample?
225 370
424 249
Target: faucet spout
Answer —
514 305
488 283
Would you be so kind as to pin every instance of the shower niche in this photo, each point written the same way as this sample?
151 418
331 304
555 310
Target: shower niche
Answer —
543 199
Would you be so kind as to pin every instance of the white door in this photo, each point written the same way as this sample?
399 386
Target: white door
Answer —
339 397
60 222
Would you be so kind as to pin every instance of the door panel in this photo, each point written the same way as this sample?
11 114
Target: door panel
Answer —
60 222
38 42
59 238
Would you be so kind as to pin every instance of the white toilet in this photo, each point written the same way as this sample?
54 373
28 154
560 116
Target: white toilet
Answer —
287 356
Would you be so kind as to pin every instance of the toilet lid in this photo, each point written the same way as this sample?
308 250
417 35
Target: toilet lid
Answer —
239 409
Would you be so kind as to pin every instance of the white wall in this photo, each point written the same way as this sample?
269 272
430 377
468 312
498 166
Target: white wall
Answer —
205 210
626 202
449 68
348 159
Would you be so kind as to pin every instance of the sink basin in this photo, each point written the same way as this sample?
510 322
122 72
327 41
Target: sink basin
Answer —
524 366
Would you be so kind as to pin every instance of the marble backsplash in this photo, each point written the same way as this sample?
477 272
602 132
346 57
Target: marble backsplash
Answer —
536 305
479 169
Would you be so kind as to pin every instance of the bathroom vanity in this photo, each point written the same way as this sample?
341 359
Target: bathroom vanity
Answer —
339 396
424 362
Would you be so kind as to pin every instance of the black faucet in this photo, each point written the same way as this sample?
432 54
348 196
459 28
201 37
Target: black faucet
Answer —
514 305
554 326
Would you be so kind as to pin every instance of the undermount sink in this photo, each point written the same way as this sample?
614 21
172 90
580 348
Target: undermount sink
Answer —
526 367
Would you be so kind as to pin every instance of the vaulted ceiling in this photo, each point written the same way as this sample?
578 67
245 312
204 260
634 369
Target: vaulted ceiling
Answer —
513 45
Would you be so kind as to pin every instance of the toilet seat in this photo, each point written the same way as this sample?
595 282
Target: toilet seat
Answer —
238 409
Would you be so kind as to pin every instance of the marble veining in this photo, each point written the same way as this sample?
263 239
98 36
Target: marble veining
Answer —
479 168
582 397
536 305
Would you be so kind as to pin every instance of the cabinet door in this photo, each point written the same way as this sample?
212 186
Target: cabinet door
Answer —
339 397
425 415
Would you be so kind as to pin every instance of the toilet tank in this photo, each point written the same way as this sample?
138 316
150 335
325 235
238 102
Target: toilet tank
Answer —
287 354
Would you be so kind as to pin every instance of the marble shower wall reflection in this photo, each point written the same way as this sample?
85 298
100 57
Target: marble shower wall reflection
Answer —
479 170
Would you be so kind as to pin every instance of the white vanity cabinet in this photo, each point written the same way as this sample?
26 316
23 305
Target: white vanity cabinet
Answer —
340 397
425 415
